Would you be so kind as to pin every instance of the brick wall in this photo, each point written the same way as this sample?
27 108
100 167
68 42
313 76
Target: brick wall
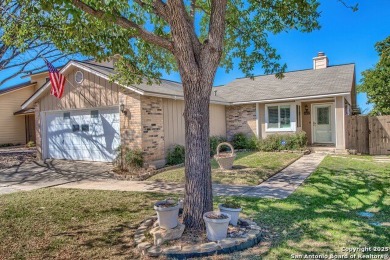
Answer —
241 119
130 123
152 128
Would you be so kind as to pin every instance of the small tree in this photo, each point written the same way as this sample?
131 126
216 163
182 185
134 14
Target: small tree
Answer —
193 37
376 81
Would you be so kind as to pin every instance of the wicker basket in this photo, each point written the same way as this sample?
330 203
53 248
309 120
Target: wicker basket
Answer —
225 162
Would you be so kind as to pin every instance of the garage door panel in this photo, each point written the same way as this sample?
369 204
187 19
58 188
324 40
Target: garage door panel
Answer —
99 143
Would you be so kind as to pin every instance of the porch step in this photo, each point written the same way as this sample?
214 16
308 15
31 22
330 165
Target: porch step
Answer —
322 149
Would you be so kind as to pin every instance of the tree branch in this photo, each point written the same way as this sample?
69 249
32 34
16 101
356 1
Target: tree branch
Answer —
127 24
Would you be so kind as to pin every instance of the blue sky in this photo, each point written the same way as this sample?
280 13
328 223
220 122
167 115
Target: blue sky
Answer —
345 37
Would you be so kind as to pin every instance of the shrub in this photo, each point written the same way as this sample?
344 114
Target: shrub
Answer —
134 158
240 141
214 142
277 142
128 159
6 145
30 144
176 155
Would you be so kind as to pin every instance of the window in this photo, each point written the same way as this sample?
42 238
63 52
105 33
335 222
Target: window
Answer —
280 117
285 115
75 128
94 113
299 120
273 117
79 77
85 128
66 115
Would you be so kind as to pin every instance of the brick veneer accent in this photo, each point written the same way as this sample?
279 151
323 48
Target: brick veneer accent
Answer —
152 128
38 138
241 119
130 124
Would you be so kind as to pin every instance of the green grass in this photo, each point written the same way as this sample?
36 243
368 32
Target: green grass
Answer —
321 216
250 168
72 224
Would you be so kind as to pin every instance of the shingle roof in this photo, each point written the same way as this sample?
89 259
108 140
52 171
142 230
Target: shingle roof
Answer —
166 87
16 87
304 83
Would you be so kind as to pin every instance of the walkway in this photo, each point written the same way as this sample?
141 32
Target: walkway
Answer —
96 176
279 186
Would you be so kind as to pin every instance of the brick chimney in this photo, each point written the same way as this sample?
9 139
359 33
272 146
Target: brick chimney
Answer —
321 61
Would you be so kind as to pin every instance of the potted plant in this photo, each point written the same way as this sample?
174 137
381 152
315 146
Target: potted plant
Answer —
216 225
167 213
232 208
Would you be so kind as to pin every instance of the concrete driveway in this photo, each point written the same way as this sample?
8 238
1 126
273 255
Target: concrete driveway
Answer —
25 175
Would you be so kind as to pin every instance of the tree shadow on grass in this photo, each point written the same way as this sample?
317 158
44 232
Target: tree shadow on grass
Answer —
321 216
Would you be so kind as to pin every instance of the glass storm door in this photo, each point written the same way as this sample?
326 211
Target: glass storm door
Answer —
322 124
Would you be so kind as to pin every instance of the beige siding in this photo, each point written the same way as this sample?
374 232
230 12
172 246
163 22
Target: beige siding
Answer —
40 79
340 122
12 128
174 121
92 92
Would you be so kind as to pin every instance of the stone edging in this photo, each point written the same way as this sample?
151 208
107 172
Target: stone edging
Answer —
225 246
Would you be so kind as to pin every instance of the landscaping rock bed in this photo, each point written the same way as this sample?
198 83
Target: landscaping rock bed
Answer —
245 235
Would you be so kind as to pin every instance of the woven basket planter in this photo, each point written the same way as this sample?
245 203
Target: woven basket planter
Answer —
225 161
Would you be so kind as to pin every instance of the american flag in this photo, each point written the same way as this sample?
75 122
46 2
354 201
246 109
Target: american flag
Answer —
57 80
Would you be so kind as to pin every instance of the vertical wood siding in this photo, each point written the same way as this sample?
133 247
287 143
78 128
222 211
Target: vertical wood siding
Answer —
92 92
174 132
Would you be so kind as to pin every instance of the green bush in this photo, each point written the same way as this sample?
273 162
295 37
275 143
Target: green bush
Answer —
242 141
214 142
277 142
176 155
128 159
6 145
30 144
134 158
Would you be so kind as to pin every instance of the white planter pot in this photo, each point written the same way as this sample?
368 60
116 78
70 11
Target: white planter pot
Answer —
216 229
234 213
167 217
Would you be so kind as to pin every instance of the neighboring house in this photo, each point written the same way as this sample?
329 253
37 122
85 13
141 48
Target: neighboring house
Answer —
95 115
16 126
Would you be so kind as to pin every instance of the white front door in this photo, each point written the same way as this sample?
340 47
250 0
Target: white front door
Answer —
89 135
323 126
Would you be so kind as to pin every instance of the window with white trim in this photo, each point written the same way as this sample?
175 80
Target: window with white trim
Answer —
280 117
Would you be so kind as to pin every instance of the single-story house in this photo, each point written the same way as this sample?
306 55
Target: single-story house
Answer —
96 116
16 126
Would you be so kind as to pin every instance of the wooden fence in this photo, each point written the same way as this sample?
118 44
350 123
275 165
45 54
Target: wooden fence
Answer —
368 134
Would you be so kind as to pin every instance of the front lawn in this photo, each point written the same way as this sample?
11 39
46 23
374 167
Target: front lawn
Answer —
321 217
250 168
72 224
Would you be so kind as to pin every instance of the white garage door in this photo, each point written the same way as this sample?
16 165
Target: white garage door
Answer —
90 135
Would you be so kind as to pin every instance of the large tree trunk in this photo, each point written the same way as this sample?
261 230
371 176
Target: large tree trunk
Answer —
197 63
198 187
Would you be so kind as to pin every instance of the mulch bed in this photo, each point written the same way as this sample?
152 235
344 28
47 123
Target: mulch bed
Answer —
10 158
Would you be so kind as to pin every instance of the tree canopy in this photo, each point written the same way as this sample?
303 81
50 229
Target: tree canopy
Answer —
20 46
376 81
140 31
